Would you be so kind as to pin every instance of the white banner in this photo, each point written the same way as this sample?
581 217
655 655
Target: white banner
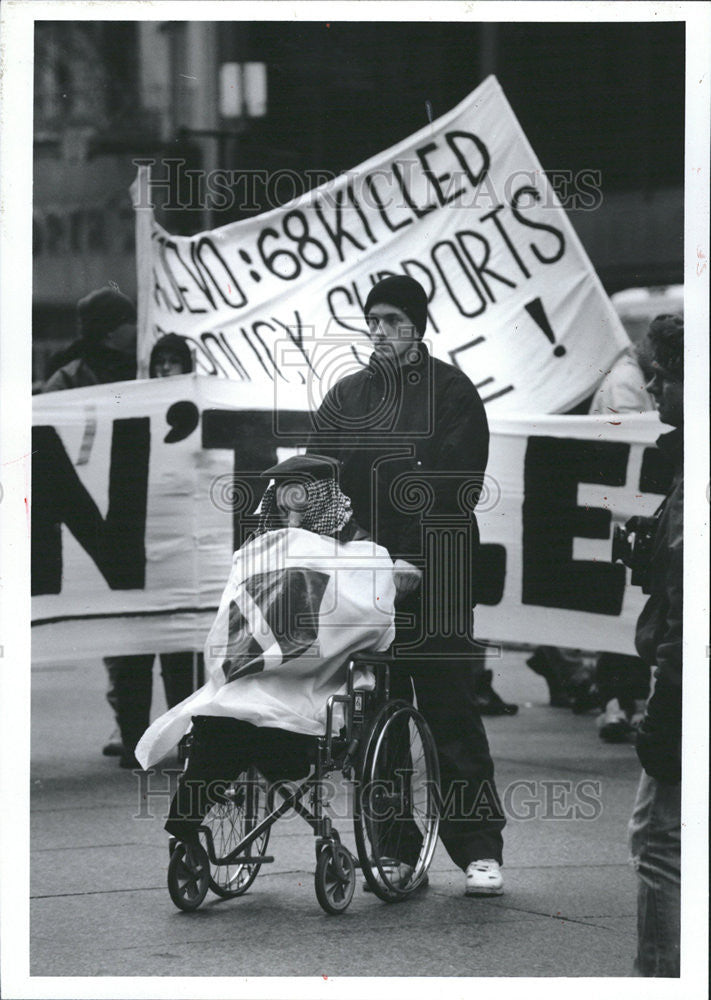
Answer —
142 490
463 206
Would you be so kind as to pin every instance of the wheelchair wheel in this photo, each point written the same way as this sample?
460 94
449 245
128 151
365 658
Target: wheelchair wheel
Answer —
188 876
396 810
335 878
245 806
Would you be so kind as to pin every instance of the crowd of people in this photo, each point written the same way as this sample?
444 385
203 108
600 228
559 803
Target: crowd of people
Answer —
440 416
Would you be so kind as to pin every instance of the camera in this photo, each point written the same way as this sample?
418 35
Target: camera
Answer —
632 545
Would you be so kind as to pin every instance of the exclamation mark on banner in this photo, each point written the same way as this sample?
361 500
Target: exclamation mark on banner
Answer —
538 314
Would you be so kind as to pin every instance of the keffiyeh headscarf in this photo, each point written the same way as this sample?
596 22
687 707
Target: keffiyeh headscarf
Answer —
326 509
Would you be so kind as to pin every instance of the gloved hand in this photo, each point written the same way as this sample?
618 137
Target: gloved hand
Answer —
659 752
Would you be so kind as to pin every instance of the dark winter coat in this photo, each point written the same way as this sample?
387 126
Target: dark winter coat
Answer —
94 363
659 628
412 441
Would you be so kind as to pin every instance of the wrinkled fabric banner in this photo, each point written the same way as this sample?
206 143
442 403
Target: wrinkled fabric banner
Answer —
142 491
463 206
295 607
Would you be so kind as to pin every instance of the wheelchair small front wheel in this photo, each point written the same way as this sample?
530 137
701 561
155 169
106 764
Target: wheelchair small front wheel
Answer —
188 876
335 878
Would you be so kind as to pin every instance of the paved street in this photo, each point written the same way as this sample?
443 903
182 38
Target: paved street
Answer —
100 905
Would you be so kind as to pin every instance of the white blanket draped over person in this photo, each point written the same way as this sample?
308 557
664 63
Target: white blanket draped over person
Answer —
297 605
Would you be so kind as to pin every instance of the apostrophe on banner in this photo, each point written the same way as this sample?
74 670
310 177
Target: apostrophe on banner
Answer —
183 417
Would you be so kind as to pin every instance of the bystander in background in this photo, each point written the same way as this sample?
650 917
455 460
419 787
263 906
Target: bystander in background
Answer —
622 682
131 677
105 350
655 827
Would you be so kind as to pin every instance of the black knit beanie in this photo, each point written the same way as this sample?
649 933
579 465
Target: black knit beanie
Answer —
104 310
172 342
405 293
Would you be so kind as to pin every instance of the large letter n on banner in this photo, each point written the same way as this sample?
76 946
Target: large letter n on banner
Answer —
117 544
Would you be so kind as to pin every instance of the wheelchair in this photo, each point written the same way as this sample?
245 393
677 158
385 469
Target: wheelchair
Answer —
386 750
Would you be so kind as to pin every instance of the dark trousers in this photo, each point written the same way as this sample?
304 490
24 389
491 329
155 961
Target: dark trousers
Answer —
441 672
626 678
221 749
181 676
131 688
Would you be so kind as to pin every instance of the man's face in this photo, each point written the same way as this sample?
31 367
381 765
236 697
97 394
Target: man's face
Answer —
668 393
291 501
391 331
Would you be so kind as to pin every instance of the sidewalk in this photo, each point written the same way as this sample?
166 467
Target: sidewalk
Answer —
100 905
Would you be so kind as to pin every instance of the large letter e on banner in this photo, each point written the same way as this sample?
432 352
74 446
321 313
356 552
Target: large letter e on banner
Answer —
552 520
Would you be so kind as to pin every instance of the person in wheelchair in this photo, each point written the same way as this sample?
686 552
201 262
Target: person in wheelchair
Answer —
273 655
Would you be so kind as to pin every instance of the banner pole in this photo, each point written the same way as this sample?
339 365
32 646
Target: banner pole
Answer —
140 190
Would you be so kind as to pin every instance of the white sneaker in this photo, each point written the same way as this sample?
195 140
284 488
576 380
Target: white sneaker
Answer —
484 878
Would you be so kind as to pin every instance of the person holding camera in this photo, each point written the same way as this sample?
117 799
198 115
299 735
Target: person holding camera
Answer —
655 826
621 683
411 436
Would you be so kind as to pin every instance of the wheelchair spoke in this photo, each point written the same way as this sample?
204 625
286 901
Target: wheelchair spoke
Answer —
230 822
396 816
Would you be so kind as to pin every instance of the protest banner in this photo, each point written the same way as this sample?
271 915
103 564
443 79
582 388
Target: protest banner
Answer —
142 491
463 206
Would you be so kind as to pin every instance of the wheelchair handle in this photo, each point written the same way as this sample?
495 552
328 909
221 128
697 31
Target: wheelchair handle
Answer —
380 663
344 699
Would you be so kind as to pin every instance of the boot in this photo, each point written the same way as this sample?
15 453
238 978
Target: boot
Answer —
540 665
488 701
613 725
114 745
584 692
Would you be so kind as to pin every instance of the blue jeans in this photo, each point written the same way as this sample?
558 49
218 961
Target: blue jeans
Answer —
655 845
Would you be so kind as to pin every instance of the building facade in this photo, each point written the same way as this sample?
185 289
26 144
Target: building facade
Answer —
110 94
